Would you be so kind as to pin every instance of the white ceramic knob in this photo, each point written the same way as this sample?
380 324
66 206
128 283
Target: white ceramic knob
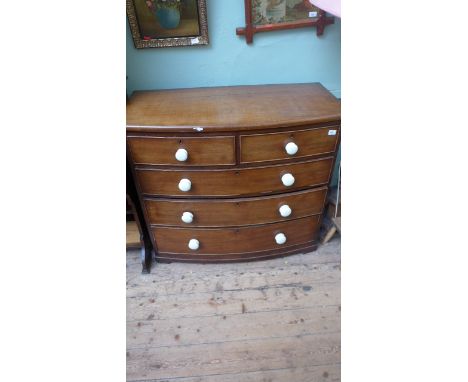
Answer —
280 238
285 210
187 217
287 179
181 155
194 244
185 185
291 148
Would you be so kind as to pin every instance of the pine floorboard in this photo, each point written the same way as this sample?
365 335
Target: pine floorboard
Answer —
269 321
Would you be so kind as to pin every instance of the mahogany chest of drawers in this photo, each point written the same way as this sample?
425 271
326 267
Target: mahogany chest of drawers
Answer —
233 173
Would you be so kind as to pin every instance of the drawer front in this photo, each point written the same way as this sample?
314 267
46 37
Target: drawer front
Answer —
205 151
216 241
246 181
269 147
235 212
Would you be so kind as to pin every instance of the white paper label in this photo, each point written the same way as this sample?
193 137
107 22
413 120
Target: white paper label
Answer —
194 41
312 14
331 132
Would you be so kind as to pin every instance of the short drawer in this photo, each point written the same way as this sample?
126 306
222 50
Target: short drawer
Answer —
289 144
183 151
235 182
216 241
235 212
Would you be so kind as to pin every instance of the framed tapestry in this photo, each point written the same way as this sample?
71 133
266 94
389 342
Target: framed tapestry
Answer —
165 23
269 15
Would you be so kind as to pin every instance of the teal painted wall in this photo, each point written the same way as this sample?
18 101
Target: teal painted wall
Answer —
290 56
274 57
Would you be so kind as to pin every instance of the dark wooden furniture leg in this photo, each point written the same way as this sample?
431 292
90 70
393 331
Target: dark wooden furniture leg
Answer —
146 246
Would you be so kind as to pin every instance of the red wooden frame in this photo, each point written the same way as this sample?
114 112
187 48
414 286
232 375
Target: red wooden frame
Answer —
250 29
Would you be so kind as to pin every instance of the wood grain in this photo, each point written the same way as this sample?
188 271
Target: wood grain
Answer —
235 212
230 357
238 257
233 108
276 320
235 302
235 138
202 151
215 241
319 373
252 325
269 147
175 283
196 271
235 182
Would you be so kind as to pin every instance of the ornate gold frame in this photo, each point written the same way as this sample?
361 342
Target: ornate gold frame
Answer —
139 42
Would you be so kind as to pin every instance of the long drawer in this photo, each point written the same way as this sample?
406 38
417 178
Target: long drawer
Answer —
215 241
194 151
288 144
235 182
235 212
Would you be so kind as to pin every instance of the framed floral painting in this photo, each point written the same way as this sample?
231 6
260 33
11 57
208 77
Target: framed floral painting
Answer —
165 23
270 15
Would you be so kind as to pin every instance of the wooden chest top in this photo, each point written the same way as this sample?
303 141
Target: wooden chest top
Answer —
231 108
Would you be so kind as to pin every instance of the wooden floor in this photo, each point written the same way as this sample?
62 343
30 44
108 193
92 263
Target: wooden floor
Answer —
269 321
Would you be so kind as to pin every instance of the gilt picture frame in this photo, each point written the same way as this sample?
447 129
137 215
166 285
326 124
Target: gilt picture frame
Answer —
167 23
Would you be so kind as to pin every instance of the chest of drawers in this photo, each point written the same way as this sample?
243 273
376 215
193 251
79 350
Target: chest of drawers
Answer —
233 173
